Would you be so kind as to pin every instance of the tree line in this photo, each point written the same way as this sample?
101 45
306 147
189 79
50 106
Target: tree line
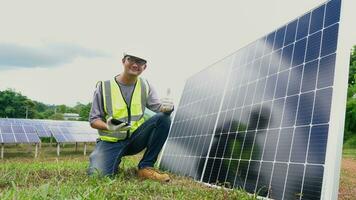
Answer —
350 118
15 105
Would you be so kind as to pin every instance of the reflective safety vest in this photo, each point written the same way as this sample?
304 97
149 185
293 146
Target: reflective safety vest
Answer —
116 107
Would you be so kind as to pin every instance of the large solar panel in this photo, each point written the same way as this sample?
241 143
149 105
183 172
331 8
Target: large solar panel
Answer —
260 118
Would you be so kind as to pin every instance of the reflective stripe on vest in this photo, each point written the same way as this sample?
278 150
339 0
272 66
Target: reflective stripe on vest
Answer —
115 106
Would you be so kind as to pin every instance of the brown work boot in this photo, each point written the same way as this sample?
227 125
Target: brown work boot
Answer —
153 174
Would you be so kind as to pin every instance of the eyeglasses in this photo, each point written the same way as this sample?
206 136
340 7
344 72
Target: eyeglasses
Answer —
136 60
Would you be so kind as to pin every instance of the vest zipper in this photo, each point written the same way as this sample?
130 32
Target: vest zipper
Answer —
128 106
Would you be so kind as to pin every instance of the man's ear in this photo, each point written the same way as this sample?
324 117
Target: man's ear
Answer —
123 60
144 67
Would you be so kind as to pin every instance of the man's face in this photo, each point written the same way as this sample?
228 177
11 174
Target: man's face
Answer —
133 66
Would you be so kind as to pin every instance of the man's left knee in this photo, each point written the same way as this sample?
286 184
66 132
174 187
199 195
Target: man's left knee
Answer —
164 118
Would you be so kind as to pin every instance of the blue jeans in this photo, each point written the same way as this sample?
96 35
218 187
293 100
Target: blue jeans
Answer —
152 134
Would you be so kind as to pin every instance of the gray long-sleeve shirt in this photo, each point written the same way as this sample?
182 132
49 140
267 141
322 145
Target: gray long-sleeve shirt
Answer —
97 111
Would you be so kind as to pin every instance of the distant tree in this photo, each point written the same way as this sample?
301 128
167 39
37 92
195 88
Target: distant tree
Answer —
352 70
57 116
15 105
84 112
61 108
350 116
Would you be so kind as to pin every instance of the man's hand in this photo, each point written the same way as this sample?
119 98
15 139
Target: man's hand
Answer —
123 127
166 105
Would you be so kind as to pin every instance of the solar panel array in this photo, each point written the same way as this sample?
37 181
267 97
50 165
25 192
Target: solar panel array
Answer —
259 119
18 134
29 131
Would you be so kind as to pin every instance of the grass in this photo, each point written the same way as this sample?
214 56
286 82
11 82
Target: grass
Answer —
64 177
349 153
347 188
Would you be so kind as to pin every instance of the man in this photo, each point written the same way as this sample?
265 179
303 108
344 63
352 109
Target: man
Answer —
118 114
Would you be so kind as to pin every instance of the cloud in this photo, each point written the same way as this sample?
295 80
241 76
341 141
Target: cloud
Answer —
50 55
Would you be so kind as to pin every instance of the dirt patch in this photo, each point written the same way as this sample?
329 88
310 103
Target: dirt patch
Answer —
347 189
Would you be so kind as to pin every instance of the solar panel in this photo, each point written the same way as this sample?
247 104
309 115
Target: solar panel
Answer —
57 133
11 134
64 131
42 130
260 118
73 134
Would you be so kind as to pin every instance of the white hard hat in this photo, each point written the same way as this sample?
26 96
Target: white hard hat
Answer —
137 54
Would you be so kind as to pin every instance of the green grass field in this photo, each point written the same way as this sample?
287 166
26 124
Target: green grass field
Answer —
64 177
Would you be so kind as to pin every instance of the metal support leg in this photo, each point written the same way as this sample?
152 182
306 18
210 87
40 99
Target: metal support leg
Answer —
2 150
58 148
36 150
85 148
76 146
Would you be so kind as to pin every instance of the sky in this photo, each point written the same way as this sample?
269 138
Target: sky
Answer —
55 51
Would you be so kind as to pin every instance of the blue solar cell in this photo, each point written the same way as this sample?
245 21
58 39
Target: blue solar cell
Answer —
269 43
29 129
305 109
270 145
294 181
300 143
270 85
249 95
259 48
275 62
299 52
6 129
33 138
332 14
287 54
59 137
290 33
8 138
313 49
309 76
263 180
277 113
290 111
326 71
64 130
251 52
21 138
313 182
265 62
303 26
258 149
282 83
247 144
279 38
317 144
252 176
18 129
284 144
317 19
322 106
278 179
260 88
329 42
295 80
